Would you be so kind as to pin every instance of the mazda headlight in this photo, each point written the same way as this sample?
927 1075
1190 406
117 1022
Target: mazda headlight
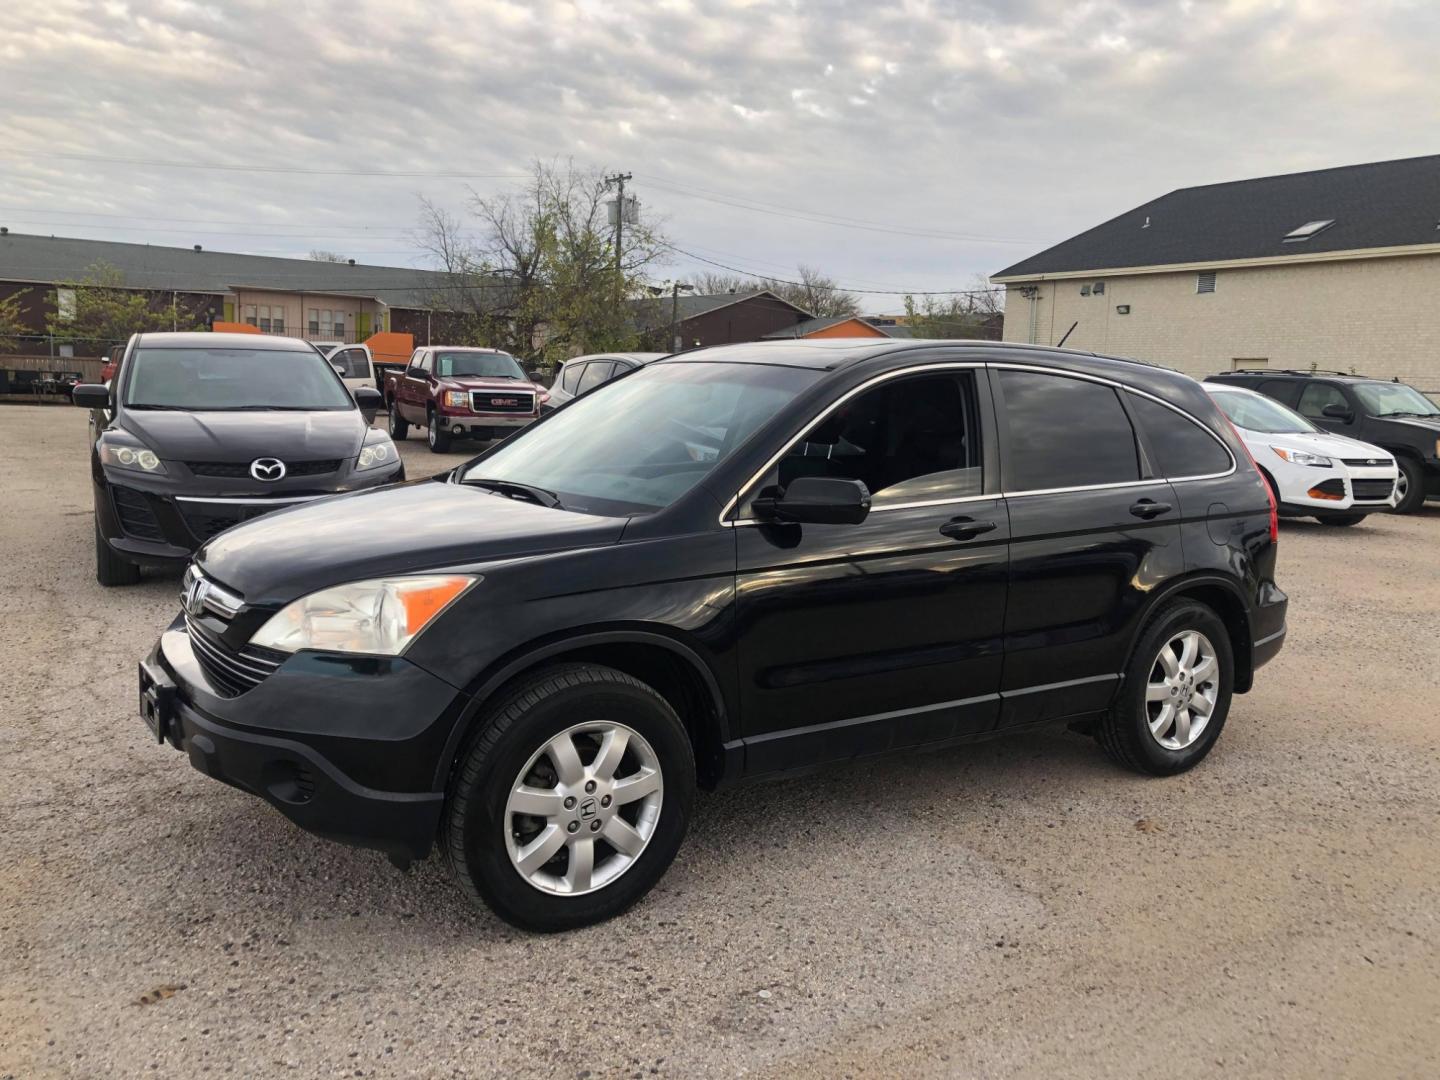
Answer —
1302 457
457 399
379 617
124 455
375 454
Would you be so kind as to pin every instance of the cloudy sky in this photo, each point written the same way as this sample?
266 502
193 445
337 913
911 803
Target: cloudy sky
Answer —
905 145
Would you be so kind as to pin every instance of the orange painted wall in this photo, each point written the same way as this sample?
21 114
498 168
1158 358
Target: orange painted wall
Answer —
220 327
389 347
848 328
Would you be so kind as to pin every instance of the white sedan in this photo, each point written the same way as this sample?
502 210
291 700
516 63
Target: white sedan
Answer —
1313 472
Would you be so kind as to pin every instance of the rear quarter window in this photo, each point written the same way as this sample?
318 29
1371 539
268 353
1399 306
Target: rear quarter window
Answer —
1180 446
1065 432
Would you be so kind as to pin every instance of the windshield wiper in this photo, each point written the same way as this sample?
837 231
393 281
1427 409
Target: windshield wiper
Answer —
164 408
510 488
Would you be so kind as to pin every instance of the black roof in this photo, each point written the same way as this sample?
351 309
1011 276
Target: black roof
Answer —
1267 373
1377 205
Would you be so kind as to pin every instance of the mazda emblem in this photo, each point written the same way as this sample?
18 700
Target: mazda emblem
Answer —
268 469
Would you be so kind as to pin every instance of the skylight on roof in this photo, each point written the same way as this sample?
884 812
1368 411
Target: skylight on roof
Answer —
1309 229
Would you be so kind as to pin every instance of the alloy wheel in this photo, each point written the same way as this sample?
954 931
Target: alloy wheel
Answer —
1182 690
584 808
1402 487
434 429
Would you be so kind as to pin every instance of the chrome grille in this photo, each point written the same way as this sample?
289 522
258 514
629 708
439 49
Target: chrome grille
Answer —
230 672
502 401
1368 463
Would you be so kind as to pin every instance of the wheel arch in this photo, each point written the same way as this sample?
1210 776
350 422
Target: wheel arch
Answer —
672 668
1225 598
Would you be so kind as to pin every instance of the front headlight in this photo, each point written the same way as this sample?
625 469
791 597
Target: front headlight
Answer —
381 452
457 399
139 458
1302 457
381 616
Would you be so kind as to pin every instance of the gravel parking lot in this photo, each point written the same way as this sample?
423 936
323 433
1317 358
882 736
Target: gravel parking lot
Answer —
1012 909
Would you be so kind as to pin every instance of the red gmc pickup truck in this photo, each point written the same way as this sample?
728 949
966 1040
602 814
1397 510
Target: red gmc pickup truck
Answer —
458 393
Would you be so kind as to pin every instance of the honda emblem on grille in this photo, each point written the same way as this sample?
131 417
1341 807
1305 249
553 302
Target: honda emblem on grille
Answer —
268 469
194 598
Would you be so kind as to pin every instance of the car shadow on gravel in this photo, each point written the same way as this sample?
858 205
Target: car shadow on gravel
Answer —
234 857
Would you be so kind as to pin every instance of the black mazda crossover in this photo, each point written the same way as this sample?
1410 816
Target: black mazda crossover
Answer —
739 562
202 431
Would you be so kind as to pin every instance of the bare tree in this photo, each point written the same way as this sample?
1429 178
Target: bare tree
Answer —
538 275
810 289
972 313
318 255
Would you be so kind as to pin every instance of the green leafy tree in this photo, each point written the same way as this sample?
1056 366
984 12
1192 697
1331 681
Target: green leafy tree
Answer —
12 322
98 310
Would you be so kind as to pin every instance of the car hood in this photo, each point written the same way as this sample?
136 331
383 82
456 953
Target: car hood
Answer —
1423 424
1319 442
478 382
246 435
403 529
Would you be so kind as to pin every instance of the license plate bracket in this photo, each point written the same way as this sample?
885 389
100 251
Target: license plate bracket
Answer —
157 700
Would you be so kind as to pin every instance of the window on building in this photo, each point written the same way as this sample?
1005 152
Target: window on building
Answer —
908 440
313 322
277 318
65 305
1182 447
1249 363
252 317
1306 231
264 323
327 322
1065 433
1205 283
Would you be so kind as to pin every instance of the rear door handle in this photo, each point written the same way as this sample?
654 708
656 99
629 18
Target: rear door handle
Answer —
966 528
1149 508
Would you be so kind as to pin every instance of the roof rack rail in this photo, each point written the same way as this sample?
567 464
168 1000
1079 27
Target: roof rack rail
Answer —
1296 371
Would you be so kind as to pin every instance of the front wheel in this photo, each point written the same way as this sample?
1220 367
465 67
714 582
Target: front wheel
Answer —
439 438
1409 486
399 427
572 801
1175 695
1340 519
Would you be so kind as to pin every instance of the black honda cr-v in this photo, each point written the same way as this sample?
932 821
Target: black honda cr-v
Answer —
742 561
201 431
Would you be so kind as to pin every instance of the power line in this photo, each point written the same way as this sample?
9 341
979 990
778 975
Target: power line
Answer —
832 288
219 167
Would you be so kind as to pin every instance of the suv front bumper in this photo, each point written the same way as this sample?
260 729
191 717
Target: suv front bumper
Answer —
337 734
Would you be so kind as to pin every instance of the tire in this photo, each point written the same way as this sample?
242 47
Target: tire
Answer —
399 427
438 438
110 569
1125 733
1412 482
1340 519
479 829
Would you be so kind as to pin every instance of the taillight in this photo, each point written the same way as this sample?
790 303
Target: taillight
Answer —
1269 491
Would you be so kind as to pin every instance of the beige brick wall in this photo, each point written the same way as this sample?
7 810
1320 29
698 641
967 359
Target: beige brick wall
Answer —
1378 317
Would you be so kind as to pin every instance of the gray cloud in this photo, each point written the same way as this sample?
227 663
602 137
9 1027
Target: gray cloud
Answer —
1024 121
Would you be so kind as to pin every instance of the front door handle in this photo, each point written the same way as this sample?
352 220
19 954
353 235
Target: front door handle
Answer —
963 528
1149 508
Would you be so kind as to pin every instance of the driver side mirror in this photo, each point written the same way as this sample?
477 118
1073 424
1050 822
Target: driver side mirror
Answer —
91 396
1337 412
369 399
818 500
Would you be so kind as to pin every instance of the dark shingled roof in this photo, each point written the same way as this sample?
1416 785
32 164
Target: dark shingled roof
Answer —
1382 204
48 259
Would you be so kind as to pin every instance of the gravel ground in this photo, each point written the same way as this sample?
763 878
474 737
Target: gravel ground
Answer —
1013 909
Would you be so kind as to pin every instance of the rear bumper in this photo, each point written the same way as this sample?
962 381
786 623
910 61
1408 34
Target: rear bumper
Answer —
1268 625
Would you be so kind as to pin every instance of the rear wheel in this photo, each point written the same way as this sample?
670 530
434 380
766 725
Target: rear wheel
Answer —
1410 486
110 568
1176 694
573 799
399 428
439 438
1340 519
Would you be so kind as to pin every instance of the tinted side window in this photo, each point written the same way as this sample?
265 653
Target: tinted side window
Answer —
570 376
1065 433
424 362
352 362
1182 446
1317 396
1283 390
908 440
596 372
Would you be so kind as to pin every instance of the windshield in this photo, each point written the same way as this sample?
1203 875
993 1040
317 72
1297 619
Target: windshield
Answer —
485 365
1256 413
637 444
199 379
1392 399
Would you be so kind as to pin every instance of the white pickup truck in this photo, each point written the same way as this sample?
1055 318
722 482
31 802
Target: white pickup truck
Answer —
354 362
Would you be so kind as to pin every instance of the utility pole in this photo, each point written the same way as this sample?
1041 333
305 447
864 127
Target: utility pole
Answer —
675 289
618 181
